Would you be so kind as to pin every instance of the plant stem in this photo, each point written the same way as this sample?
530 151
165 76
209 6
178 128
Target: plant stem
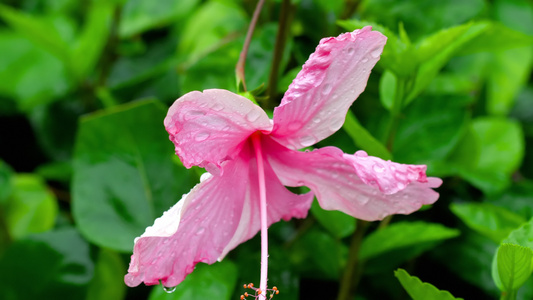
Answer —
256 140
281 39
239 68
395 113
354 267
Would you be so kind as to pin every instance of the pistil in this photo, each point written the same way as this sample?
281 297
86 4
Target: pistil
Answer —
256 140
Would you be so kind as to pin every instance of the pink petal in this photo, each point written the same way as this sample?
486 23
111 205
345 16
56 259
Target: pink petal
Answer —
316 103
343 182
210 127
216 216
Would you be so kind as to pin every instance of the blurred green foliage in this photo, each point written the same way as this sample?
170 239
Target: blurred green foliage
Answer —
86 165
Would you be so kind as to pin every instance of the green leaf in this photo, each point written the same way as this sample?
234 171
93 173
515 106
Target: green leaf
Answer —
430 130
142 15
419 290
55 264
93 38
435 51
216 281
515 265
32 208
124 177
21 72
108 279
492 221
497 37
37 30
210 27
339 224
401 235
363 139
501 150
509 72
326 258
6 186
472 252
522 236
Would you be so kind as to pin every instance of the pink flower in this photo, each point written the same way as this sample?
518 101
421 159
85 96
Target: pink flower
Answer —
251 159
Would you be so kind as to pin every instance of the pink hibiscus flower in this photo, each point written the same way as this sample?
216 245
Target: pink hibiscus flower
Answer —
250 159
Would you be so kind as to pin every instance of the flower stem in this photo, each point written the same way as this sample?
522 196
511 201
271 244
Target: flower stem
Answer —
239 68
256 140
281 39
353 270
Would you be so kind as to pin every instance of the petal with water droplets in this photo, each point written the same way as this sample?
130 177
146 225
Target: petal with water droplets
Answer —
217 215
210 127
335 180
315 105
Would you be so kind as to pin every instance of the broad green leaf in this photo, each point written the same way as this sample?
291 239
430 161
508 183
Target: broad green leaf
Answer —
21 72
210 27
401 235
32 208
92 38
339 224
142 15
216 281
472 252
55 264
421 17
501 150
517 198
324 261
515 264
492 221
509 72
124 177
419 290
108 279
363 139
430 130
38 30
6 185
435 51
496 38
522 236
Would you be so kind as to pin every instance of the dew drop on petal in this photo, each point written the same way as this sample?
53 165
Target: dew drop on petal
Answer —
316 120
253 115
326 89
361 154
307 140
350 50
336 124
364 59
169 289
376 52
378 168
400 185
200 230
202 136
295 125
218 107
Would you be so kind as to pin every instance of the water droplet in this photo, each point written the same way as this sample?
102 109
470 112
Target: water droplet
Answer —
378 168
295 125
316 120
197 113
169 289
202 136
218 107
307 140
361 154
200 231
350 50
400 185
376 52
253 115
336 124
364 59
326 89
